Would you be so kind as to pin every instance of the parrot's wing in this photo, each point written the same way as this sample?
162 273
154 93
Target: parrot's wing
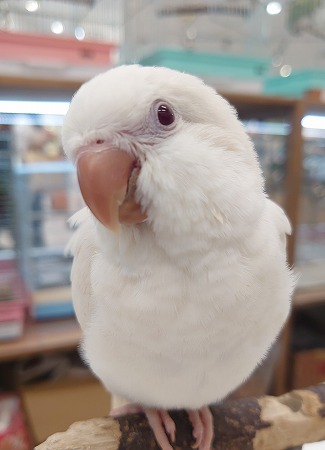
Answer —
82 247
281 221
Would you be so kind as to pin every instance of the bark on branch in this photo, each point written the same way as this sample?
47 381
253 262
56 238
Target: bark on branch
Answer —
267 423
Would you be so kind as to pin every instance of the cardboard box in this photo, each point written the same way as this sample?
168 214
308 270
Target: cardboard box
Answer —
52 406
309 368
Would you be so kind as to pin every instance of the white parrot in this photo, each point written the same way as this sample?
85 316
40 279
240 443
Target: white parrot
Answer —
179 280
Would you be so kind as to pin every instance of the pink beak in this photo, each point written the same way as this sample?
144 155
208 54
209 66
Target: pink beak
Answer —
107 179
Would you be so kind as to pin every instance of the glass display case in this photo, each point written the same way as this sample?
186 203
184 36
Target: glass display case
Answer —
7 248
46 194
270 140
310 244
271 143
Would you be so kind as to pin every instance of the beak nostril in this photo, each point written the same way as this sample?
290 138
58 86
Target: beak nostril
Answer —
100 141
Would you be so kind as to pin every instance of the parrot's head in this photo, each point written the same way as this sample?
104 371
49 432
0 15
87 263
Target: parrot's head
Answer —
158 148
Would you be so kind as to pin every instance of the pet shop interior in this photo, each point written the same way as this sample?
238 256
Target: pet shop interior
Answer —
267 59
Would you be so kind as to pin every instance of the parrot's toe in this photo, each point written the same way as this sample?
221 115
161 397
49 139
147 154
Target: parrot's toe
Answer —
198 430
202 423
161 422
207 422
169 424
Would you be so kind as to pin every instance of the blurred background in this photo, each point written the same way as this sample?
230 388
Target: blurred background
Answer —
266 57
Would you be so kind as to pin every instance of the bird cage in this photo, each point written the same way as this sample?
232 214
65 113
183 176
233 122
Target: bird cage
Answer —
77 19
242 39
205 37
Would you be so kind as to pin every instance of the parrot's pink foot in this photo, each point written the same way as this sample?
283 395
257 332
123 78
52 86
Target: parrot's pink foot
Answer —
162 424
159 421
202 423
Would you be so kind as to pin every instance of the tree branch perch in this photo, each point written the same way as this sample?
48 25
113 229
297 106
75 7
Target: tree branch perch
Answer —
267 423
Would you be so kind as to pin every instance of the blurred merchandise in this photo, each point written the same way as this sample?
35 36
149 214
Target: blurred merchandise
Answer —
6 195
14 302
52 303
13 430
51 197
45 194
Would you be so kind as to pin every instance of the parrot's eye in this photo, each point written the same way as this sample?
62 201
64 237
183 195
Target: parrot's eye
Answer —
165 115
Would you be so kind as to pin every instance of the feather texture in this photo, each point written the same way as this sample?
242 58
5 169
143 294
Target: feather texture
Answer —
177 311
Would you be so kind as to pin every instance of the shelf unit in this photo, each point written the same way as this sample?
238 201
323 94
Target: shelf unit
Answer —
42 337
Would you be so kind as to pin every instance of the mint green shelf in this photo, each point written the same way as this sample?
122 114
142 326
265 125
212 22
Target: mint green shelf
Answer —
296 84
237 67
209 64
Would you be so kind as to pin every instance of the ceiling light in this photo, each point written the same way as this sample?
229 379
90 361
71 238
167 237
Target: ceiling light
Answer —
57 27
30 107
286 71
79 33
273 8
315 122
31 5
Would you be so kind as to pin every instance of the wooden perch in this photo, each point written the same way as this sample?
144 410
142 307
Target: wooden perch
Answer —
267 423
